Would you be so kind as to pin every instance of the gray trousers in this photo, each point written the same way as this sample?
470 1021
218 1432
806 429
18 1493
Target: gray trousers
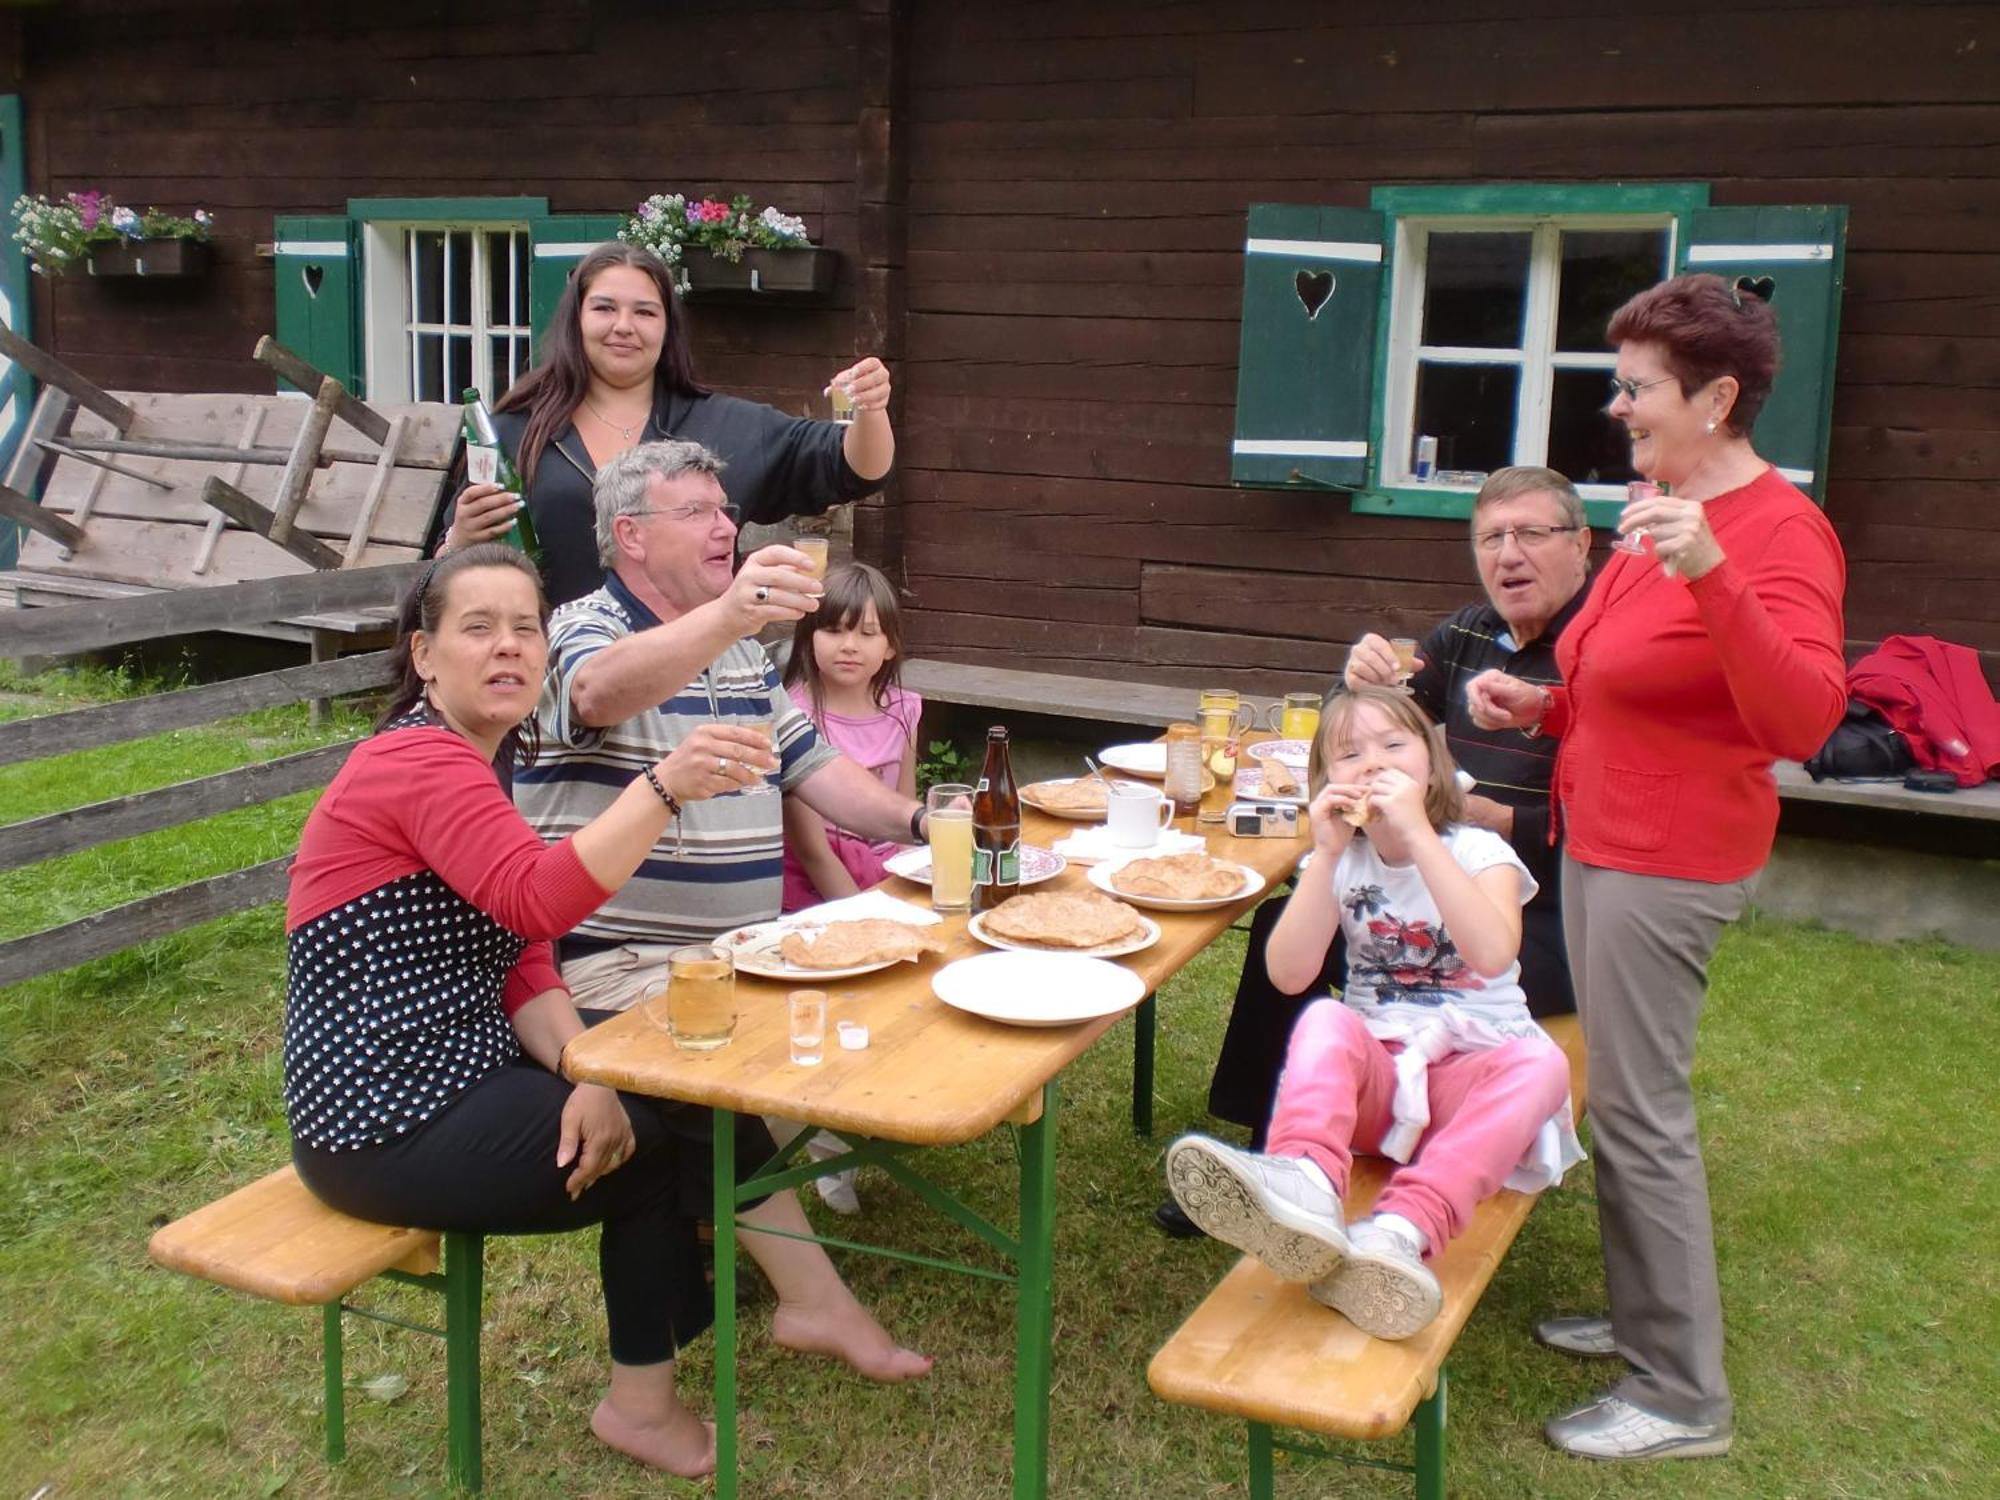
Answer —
1639 947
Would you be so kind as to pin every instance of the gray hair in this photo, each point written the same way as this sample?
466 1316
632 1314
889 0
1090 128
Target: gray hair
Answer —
620 488
1526 479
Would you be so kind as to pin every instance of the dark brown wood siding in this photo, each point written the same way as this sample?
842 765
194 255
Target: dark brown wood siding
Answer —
1044 232
258 111
1079 180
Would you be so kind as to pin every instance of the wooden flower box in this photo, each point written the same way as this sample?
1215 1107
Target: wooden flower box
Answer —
176 257
795 275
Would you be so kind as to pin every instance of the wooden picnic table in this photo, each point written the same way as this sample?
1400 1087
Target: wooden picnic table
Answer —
931 1076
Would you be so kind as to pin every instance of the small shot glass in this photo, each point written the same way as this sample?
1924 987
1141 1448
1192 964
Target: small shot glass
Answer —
807 1015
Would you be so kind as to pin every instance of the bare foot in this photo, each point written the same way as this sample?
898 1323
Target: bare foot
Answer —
847 1332
682 1444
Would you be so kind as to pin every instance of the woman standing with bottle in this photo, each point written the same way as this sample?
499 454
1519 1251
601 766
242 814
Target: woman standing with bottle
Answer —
1684 676
615 373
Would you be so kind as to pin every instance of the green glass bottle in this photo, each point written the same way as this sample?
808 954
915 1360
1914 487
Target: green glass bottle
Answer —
486 462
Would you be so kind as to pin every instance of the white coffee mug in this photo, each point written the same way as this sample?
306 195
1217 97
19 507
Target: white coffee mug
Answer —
1136 814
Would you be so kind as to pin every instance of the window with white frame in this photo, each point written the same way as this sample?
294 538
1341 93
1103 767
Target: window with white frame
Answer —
1496 348
446 309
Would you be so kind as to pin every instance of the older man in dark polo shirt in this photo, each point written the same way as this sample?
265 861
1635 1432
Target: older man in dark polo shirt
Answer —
1532 546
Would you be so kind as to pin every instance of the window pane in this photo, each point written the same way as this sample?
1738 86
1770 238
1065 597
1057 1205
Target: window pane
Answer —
523 255
458 307
429 372
498 273
460 375
1584 443
427 296
1469 409
1475 288
1600 270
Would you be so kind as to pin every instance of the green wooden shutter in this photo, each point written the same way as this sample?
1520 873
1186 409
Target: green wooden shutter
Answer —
560 241
17 386
1305 377
318 275
1803 250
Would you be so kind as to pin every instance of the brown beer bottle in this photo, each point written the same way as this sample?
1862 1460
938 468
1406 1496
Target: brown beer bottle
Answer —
996 827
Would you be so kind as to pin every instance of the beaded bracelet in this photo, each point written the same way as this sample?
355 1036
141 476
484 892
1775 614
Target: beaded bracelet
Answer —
673 802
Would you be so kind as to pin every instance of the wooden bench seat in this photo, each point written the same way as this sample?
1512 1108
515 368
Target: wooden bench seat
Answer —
274 1239
1261 1349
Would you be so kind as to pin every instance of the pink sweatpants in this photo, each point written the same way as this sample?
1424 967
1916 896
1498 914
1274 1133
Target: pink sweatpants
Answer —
1334 1098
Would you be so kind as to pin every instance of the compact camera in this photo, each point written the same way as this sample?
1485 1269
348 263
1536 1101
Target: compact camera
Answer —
1263 820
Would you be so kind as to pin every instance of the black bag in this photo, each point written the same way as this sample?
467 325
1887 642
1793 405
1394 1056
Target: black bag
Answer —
1862 747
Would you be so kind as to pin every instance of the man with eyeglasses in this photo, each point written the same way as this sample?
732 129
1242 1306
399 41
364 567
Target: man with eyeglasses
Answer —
667 646
1531 544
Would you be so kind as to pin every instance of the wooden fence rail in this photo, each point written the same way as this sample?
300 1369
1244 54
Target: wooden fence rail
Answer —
141 921
80 828
72 628
135 718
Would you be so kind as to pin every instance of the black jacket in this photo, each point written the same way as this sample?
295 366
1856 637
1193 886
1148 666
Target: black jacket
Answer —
777 466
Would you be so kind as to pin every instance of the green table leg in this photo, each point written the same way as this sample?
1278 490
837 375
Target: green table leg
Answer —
336 1384
1145 1021
464 1265
1263 1475
1034 1308
1430 1420
725 1304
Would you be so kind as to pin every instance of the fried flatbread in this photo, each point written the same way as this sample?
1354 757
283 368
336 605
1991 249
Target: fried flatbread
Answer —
1279 779
1180 877
1086 794
1361 814
1063 919
847 945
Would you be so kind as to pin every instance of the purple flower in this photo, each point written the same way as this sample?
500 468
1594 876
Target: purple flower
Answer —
90 206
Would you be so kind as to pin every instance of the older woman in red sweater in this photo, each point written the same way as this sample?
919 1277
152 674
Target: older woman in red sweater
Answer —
1693 666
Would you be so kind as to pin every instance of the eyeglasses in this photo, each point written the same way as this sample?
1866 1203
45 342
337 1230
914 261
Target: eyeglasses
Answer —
1527 536
1630 389
705 514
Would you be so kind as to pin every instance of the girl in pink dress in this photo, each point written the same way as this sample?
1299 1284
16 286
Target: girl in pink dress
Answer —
843 674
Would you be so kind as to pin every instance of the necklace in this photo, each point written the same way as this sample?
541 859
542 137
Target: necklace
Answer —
624 433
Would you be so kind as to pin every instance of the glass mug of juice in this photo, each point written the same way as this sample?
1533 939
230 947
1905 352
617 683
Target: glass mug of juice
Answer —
1297 716
701 997
949 806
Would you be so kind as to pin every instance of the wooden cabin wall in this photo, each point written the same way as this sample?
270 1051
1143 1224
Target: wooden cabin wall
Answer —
1078 180
257 110
1070 178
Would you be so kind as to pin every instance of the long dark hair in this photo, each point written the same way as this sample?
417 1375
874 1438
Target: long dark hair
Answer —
422 609
850 589
554 389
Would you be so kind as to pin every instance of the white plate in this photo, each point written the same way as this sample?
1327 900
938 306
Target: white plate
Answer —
1148 759
1293 753
1100 876
1037 864
1249 786
1031 799
755 950
1147 935
1037 989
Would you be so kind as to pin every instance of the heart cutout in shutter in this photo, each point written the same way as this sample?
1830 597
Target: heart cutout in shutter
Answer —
313 276
1313 287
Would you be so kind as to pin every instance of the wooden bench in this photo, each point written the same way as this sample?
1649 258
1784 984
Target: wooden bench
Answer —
274 1239
1260 1349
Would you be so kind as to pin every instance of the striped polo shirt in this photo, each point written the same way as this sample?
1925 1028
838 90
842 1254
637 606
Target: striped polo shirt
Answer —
725 867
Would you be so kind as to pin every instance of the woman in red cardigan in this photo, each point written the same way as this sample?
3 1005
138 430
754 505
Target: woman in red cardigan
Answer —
425 1019
1694 665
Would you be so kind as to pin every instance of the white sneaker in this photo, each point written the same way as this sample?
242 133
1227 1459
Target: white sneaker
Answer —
1587 1336
1613 1428
836 1189
1278 1208
1382 1285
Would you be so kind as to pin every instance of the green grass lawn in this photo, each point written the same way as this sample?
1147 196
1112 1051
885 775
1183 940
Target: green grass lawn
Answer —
1845 1090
